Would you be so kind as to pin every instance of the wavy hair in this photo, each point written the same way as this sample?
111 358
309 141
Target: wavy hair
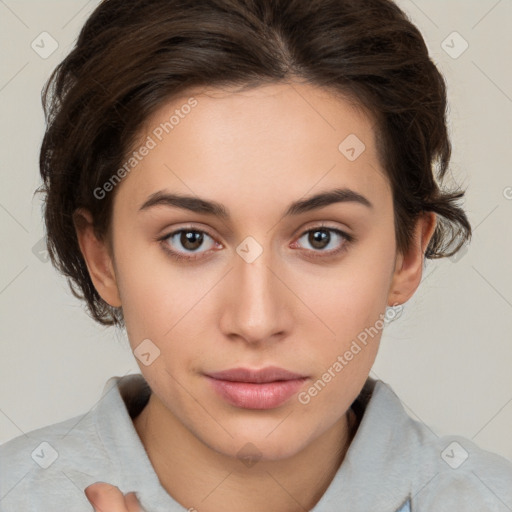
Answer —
133 56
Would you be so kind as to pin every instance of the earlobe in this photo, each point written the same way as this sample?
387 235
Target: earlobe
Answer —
97 258
409 266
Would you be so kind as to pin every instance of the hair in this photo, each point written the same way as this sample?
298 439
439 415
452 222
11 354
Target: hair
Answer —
134 56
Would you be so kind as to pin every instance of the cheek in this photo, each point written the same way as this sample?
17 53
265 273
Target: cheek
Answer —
351 301
343 361
164 304
152 291
350 297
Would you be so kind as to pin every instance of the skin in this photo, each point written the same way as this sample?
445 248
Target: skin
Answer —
255 151
108 498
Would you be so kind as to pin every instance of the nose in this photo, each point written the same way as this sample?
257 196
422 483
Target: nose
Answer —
257 305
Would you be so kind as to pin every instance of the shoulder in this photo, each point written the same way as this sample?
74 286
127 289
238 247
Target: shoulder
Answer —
407 461
51 465
451 472
464 476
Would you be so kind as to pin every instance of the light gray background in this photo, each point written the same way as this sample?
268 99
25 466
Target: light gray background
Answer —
449 356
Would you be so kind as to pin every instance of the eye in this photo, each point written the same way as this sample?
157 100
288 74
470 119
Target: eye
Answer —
323 239
320 238
190 240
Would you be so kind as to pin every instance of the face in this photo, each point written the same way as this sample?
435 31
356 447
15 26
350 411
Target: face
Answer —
261 286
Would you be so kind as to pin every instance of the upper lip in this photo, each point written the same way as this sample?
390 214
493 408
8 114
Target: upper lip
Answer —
268 374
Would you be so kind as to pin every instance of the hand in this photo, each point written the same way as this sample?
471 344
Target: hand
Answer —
108 498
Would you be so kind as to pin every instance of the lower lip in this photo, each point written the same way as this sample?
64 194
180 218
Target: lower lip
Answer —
249 395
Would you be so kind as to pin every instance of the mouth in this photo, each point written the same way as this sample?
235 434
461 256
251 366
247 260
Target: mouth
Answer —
266 388
261 376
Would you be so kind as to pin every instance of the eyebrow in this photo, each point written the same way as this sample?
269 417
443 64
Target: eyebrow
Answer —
198 205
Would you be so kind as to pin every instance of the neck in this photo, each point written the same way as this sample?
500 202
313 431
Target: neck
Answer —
196 476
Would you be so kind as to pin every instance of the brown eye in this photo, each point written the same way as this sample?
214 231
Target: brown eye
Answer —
328 240
185 243
319 238
191 240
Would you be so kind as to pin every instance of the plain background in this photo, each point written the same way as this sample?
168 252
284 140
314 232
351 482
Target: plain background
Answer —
448 357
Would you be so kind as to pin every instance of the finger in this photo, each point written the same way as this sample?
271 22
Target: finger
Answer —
132 503
106 498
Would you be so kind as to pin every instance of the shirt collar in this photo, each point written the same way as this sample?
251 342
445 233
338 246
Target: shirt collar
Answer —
379 471
371 476
122 396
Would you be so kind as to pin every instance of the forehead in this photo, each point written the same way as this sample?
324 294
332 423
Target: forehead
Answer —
262 143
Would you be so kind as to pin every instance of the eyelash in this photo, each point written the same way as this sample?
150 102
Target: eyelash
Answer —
349 239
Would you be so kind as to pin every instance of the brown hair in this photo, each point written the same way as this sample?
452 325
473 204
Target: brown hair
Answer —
133 56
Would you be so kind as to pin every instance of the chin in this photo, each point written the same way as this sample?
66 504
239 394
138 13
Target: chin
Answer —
259 447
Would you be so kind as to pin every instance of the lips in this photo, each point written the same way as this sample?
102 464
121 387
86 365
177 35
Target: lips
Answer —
268 374
267 388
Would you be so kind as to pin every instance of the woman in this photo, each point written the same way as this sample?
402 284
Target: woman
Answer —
248 186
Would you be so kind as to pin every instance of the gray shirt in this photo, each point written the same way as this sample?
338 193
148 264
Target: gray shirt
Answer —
394 463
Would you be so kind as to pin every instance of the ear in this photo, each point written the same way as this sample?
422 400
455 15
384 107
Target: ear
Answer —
97 258
409 267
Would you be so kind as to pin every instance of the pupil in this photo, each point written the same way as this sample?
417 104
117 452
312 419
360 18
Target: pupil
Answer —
191 239
318 238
